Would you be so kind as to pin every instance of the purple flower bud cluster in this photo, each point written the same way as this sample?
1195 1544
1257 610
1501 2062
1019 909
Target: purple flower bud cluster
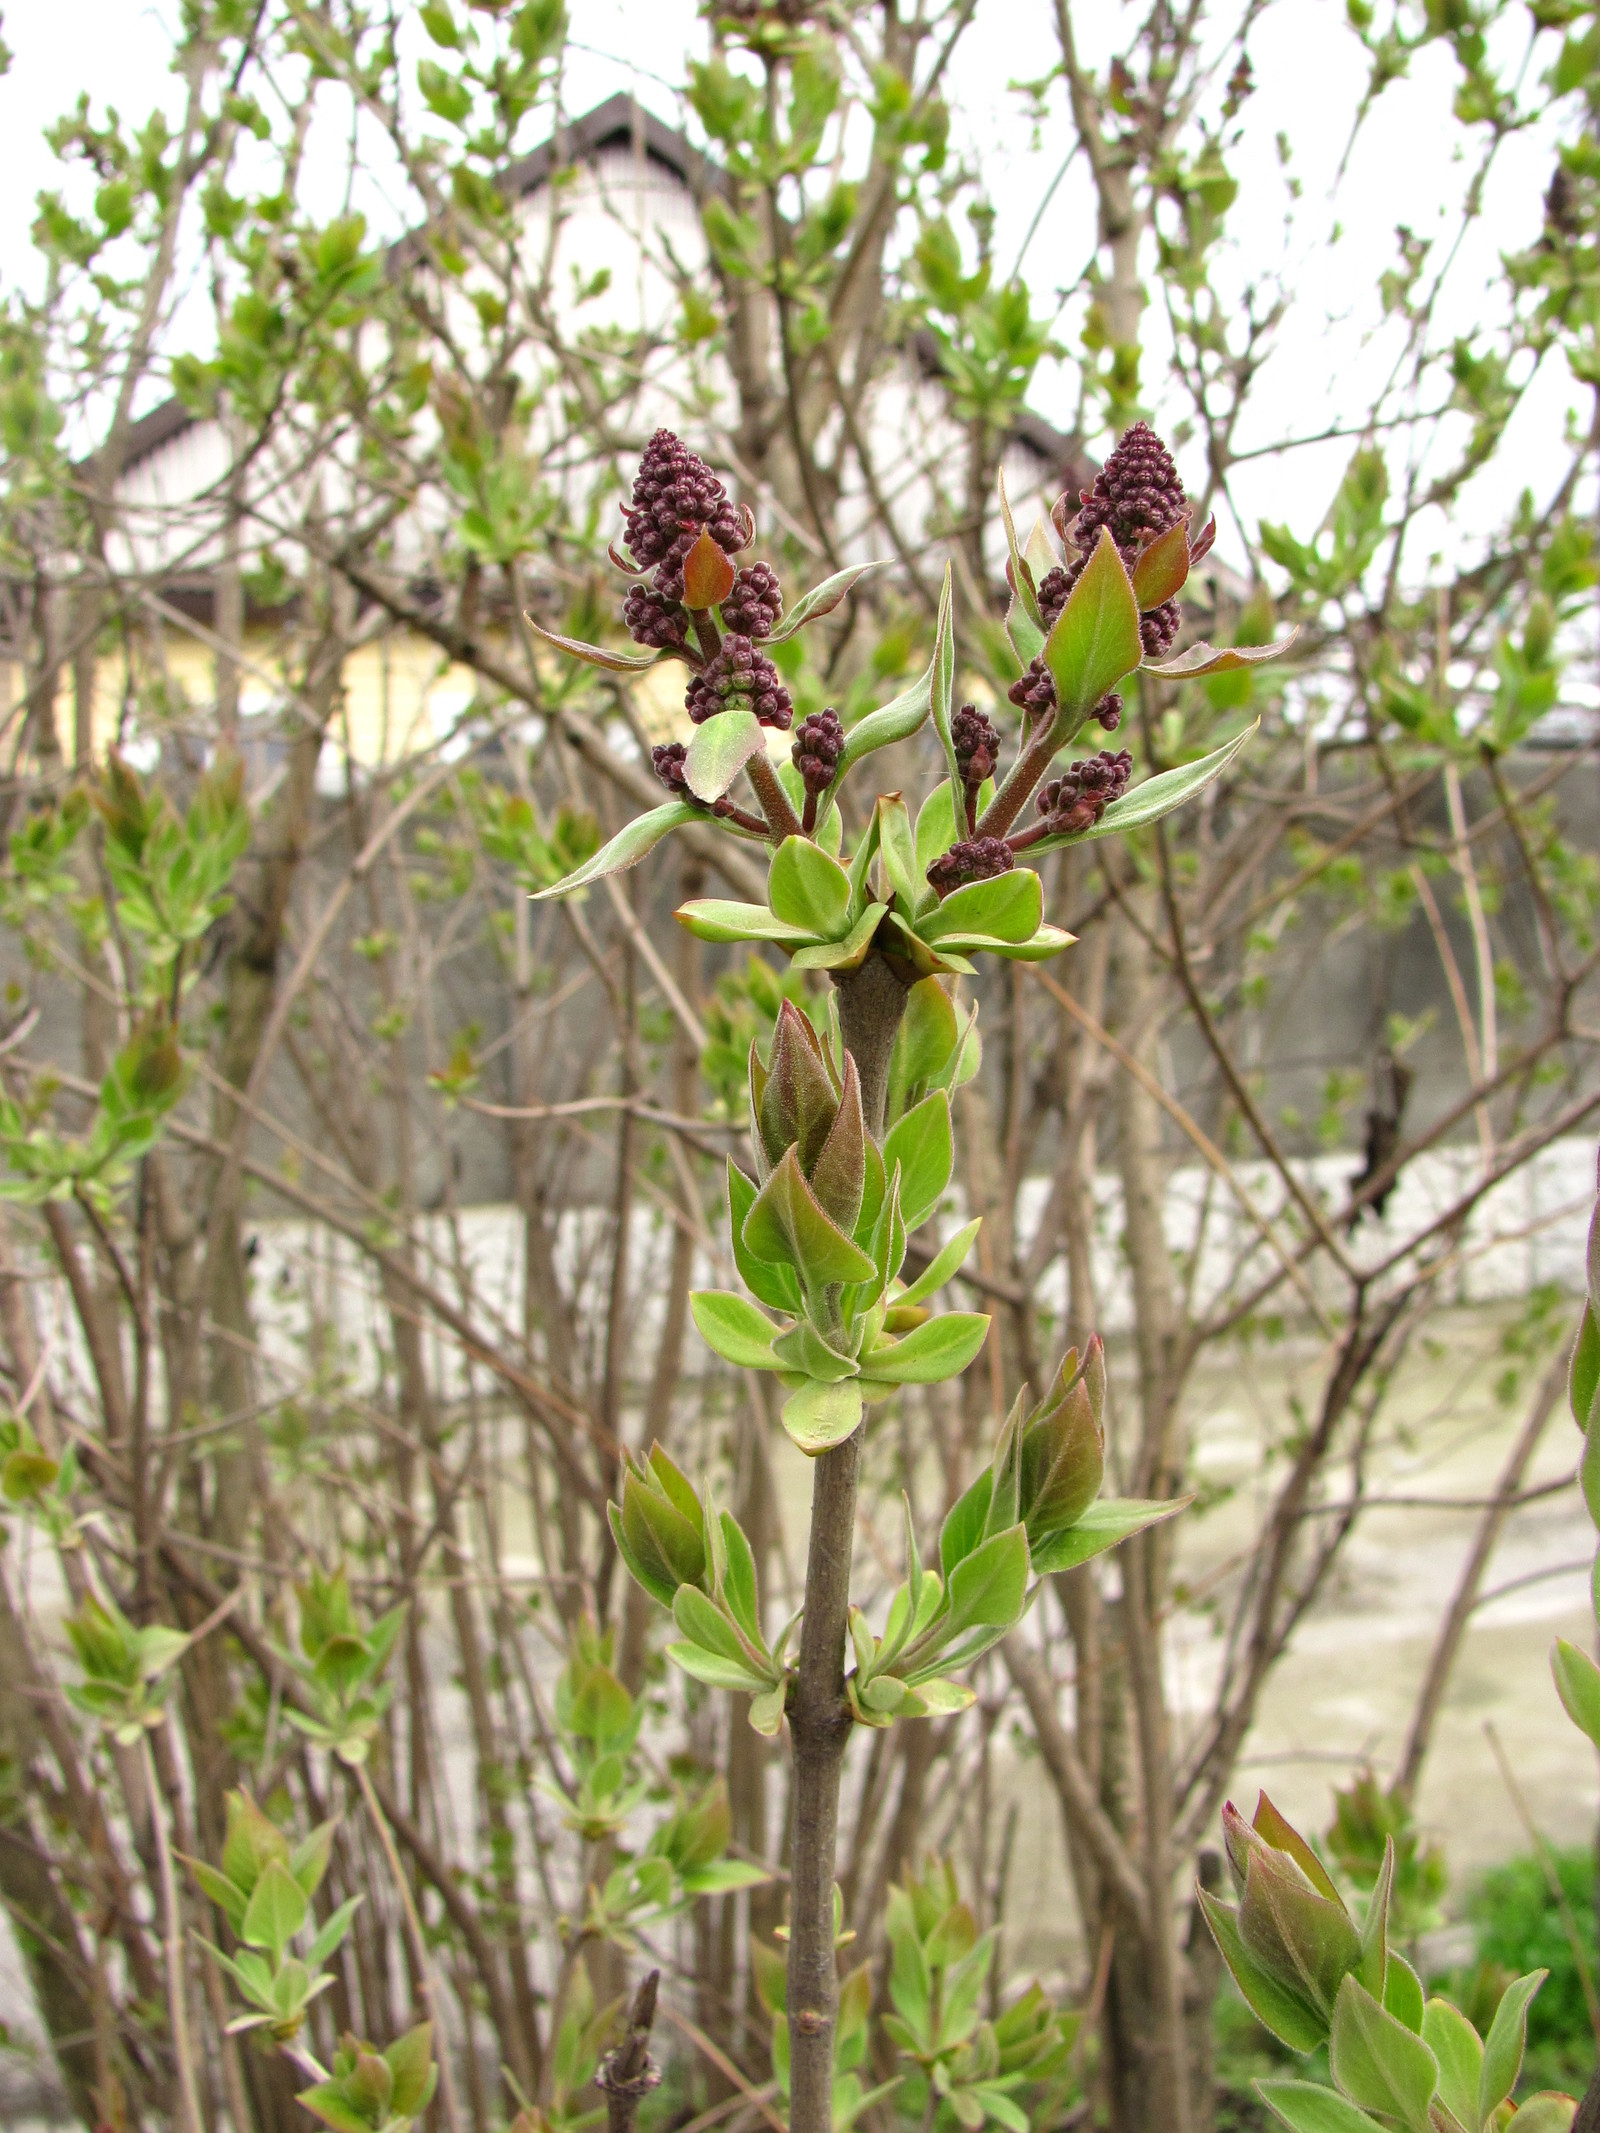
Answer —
978 859
1076 800
1108 711
1136 495
755 603
739 675
1035 693
675 494
1158 628
818 745
668 760
652 619
667 763
976 741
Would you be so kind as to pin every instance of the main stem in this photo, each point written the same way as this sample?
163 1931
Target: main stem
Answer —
871 1003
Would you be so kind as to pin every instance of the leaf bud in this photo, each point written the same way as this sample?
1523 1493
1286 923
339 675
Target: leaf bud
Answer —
1063 1446
660 1527
1291 1922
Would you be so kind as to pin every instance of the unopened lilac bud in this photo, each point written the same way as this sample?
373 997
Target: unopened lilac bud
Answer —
1063 1453
1035 692
1294 1929
667 762
1054 587
660 1526
818 745
976 742
651 619
1075 801
1136 495
977 859
675 494
755 603
796 1099
1109 711
739 677
1157 629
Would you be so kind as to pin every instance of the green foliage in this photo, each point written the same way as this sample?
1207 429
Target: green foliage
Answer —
1367 1821
1314 1978
376 2092
1012 2068
126 1671
263 1886
1519 1927
340 1665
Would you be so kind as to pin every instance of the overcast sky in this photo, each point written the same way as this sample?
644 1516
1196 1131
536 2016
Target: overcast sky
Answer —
1309 74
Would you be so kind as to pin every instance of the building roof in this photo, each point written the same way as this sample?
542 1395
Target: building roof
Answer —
622 121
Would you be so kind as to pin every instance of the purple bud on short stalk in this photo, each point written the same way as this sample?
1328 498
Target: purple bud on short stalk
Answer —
755 603
978 859
818 745
975 740
1108 711
1075 801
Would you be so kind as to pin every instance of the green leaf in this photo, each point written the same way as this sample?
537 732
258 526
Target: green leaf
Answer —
929 1353
739 1579
1006 908
786 1223
1505 2043
722 1876
1095 640
1583 1380
735 1329
1210 659
1306 2107
818 1417
936 827
631 844
809 891
326 2101
1102 1526
716 1670
1548 2112
923 1145
1402 1995
774 1285
892 722
897 849
1578 1685
719 751
942 684
988 1588
821 600
410 2061
1156 797
715 918
964 1523
1289 2018
803 1349
766 1710
1024 623
846 954
704 1623
276 1910
938 1696
1457 2047
229 1900
1378 2062
331 1935
946 1262
596 655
